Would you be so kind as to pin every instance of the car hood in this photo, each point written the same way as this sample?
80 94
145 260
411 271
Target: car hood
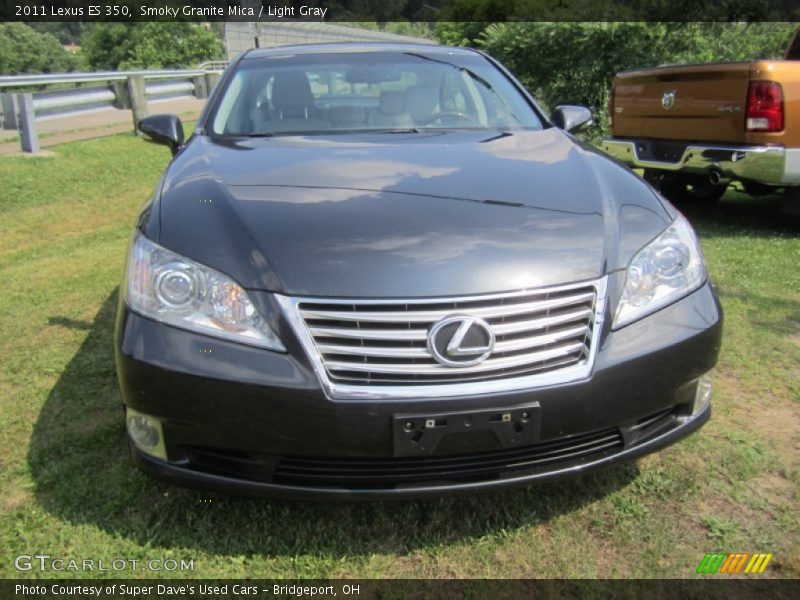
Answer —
405 214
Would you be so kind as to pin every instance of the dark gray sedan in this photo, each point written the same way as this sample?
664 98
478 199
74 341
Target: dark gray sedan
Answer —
382 269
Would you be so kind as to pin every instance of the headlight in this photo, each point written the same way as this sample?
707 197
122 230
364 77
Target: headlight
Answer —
668 268
173 289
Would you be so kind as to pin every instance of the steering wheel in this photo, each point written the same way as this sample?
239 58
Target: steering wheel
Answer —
449 113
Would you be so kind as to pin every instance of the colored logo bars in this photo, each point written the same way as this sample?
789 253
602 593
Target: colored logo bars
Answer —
737 562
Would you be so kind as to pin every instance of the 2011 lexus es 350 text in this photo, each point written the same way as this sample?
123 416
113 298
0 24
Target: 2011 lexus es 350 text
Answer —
379 270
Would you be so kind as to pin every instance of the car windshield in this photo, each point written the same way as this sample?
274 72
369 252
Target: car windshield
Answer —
369 91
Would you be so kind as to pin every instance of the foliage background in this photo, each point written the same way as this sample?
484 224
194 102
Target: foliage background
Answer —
150 45
26 50
37 47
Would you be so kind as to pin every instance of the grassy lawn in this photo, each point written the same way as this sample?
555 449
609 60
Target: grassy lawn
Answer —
69 489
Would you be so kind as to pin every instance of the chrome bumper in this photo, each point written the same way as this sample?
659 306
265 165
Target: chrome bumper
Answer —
771 165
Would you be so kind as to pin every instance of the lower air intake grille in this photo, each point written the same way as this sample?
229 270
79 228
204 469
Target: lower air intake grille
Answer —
390 472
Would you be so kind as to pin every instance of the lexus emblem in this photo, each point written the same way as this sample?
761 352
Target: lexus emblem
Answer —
668 99
460 341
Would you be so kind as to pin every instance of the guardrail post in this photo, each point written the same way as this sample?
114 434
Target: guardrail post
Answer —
9 105
138 99
122 99
211 81
28 136
200 87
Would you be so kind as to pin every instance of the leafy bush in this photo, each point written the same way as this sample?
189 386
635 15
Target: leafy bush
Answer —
574 63
25 50
150 45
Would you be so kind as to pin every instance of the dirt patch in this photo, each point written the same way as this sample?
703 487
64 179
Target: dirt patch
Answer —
795 333
775 488
610 559
781 422
12 498
777 420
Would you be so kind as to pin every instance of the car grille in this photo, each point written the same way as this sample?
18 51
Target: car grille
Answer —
360 473
384 342
375 473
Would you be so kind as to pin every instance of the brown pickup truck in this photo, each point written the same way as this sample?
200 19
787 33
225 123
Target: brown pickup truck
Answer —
695 128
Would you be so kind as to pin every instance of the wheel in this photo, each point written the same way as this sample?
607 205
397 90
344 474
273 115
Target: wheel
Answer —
677 188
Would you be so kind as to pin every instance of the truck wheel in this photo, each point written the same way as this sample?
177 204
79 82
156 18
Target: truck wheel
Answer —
685 188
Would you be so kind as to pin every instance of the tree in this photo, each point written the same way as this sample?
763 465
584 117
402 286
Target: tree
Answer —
106 45
24 50
67 32
150 45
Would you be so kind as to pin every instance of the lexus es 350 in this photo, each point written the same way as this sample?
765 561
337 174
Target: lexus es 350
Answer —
380 270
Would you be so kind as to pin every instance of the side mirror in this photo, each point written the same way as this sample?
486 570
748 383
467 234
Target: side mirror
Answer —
163 129
570 118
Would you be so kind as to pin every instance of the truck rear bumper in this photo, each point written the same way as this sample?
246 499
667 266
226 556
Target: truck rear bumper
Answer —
771 165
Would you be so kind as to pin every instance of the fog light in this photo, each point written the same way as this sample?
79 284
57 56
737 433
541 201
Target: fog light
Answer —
146 433
702 396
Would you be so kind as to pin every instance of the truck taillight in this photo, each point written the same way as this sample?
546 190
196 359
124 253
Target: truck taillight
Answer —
611 99
765 106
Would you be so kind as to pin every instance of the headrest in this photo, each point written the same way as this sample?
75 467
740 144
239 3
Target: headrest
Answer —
291 90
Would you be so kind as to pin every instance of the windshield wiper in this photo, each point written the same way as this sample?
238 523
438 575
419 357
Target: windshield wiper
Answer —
267 134
398 130
469 72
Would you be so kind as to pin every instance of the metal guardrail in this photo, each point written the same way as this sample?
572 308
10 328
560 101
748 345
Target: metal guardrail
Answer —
124 90
213 66
72 98
12 81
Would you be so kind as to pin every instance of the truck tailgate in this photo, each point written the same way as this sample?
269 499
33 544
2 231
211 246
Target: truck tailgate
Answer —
689 103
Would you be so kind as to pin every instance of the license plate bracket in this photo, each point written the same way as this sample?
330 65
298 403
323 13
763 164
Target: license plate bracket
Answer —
418 434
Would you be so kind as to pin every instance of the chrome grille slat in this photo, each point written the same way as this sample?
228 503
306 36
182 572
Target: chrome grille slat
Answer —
542 323
422 352
537 341
377 348
455 378
490 364
418 316
369 334
374 351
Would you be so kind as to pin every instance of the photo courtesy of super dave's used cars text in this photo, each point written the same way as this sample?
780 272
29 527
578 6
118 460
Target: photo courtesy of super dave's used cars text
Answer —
182 589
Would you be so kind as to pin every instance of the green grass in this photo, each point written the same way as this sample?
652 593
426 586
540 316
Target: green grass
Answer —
69 489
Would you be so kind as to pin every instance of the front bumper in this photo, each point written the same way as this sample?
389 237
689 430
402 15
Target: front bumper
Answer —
770 165
251 421
184 474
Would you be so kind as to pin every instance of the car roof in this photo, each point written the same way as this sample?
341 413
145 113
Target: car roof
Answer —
355 47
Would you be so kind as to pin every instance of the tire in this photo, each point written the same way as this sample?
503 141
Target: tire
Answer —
686 189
